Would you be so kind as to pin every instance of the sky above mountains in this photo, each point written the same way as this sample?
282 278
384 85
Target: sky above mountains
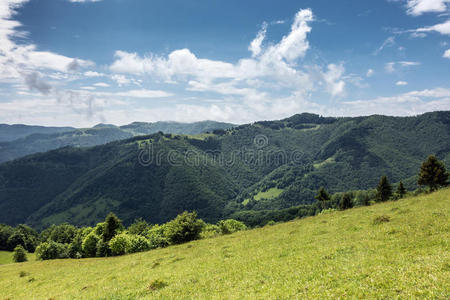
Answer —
81 62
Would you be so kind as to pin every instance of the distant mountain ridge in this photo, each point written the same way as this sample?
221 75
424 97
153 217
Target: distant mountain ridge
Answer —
219 175
22 140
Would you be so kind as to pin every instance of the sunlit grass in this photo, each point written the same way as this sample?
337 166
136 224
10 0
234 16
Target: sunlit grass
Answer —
386 251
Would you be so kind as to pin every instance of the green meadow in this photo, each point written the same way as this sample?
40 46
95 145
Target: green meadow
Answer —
392 250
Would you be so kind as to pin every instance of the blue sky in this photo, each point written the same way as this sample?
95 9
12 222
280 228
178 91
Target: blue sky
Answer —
78 63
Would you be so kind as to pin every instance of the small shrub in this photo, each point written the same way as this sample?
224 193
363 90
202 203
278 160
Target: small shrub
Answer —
51 250
271 223
119 244
231 226
210 230
381 219
89 245
157 237
157 284
19 254
184 228
327 211
137 243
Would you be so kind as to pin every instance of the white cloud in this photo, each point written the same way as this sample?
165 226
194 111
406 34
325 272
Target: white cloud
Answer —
443 28
369 73
335 84
143 93
93 74
446 54
255 45
419 7
401 83
408 63
101 84
19 59
274 65
390 67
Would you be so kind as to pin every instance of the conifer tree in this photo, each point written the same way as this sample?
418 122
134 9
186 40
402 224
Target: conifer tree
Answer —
112 225
384 189
401 191
432 173
346 202
322 196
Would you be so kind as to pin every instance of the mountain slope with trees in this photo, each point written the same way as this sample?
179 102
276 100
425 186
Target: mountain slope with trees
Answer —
33 139
250 170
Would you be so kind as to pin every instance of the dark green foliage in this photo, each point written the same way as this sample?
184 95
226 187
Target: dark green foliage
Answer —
19 254
103 249
23 235
5 232
384 189
51 250
323 197
433 173
346 202
139 227
111 227
184 228
81 185
63 234
75 248
401 191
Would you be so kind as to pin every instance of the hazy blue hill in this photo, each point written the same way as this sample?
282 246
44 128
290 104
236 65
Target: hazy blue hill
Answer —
99 134
13 132
241 170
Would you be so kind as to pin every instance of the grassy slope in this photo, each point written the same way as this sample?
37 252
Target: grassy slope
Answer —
6 257
341 254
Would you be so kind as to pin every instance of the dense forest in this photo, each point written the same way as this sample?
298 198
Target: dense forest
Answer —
253 173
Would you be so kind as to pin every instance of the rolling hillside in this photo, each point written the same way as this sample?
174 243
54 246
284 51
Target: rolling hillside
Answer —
390 250
20 140
250 169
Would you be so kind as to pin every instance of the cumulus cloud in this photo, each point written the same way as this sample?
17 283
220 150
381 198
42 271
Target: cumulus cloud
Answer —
255 45
419 7
369 73
276 64
17 59
401 83
446 54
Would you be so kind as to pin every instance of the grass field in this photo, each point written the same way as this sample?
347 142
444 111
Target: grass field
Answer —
386 251
6 257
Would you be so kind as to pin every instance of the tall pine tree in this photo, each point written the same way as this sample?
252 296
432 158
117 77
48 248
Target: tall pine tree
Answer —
401 191
384 189
433 173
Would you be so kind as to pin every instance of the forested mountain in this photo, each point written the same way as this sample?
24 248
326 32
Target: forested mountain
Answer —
16 131
252 168
23 140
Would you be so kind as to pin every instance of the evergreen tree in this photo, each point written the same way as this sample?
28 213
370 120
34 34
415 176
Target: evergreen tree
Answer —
432 173
401 191
112 225
384 189
346 202
322 196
